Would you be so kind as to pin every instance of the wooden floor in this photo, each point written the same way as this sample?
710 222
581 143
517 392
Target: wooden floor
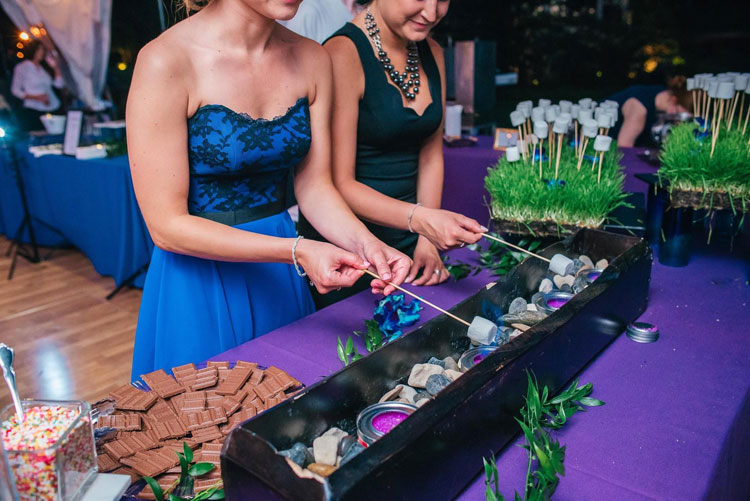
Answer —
70 342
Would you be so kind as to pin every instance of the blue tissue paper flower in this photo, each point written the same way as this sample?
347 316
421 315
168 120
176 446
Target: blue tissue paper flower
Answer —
393 313
701 135
554 183
492 313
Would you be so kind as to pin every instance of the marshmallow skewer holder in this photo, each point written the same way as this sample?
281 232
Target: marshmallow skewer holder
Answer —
438 450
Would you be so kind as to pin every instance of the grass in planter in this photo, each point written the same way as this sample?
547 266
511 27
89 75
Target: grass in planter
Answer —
519 195
687 163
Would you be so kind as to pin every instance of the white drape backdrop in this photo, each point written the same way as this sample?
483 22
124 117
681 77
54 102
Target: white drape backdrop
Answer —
81 31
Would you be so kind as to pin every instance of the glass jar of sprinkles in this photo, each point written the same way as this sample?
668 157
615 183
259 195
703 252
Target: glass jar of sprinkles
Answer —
51 454
378 419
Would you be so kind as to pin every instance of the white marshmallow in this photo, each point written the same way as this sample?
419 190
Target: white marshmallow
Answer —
545 103
482 331
585 114
516 118
690 83
713 89
512 154
560 126
537 114
559 264
565 106
550 114
603 120
725 90
740 82
575 110
602 143
590 130
541 129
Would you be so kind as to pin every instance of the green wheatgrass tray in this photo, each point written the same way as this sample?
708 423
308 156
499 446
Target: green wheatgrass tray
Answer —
697 180
522 203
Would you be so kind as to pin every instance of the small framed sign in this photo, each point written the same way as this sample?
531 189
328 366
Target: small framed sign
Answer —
505 138
72 132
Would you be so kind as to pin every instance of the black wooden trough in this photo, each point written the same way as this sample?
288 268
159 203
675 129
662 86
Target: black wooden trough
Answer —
437 451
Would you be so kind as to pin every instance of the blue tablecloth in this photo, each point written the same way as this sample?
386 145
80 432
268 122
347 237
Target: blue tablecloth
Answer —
89 202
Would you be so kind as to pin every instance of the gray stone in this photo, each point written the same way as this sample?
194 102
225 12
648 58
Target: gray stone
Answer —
420 403
538 296
586 260
325 449
502 335
437 382
566 288
525 317
450 364
353 451
436 361
420 373
346 443
577 265
601 264
421 395
546 286
298 454
571 268
517 305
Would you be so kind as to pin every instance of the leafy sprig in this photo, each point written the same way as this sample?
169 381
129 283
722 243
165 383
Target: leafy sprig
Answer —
539 415
499 259
185 484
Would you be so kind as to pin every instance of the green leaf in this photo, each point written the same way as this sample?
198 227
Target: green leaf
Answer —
219 494
155 487
199 469
349 346
187 452
590 402
340 351
184 465
172 497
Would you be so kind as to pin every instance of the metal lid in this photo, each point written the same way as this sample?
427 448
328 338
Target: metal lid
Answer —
642 332
366 432
543 303
472 357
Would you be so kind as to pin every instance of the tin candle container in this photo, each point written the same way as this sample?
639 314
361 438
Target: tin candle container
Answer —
552 301
378 419
472 357
51 454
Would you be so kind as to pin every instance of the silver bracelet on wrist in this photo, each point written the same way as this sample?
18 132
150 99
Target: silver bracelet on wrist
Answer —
411 215
297 267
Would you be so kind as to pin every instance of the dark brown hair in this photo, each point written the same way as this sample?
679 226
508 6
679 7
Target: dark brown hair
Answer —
677 85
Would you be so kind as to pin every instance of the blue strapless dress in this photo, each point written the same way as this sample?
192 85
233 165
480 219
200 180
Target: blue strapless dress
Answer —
241 171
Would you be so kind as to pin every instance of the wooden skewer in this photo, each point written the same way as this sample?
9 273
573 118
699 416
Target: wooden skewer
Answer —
734 108
583 150
559 149
541 154
521 249
599 176
716 129
575 135
438 308
747 118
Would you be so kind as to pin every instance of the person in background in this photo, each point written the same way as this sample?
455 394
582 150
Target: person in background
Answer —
33 84
388 137
319 19
640 105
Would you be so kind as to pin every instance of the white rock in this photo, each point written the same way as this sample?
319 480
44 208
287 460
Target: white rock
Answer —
586 260
546 285
450 364
407 393
601 264
482 331
420 403
531 307
453 375
392 394
420 373
561 280
515 334
325 448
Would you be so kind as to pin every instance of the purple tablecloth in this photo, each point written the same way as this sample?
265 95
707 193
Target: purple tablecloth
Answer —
676 423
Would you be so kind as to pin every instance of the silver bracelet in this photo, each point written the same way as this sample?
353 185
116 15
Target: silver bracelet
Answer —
411 215
300 271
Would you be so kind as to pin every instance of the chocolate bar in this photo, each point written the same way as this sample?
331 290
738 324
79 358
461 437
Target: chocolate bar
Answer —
166 482
172 428
207 434
204 419
105 462
153 462
163 384
234 381
128 398
120 422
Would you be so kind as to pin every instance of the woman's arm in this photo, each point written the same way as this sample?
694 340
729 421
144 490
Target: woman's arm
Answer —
445 229
633 122
318 199
157 146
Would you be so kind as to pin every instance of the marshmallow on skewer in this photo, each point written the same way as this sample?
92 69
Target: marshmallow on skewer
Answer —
545 103
602 121
565 106
602 143
561 265
575 110
585 103
725 90
516 118
589 128
690 83
740 82
560 125
512 154
482 331
585 114
550 114
541 129
537 114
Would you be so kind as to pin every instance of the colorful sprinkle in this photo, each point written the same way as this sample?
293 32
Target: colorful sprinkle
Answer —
44 467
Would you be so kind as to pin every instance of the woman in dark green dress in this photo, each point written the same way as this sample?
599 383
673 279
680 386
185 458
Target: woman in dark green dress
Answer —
389 88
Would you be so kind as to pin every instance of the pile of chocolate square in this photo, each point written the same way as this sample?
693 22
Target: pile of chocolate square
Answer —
199 407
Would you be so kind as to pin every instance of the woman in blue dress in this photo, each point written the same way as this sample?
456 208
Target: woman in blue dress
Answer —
211 177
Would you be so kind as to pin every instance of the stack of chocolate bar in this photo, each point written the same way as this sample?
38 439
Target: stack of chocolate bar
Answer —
196 406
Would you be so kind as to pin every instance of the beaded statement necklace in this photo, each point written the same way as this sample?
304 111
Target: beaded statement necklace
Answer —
408 82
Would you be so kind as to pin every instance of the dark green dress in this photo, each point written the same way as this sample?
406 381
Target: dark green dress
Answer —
389 138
